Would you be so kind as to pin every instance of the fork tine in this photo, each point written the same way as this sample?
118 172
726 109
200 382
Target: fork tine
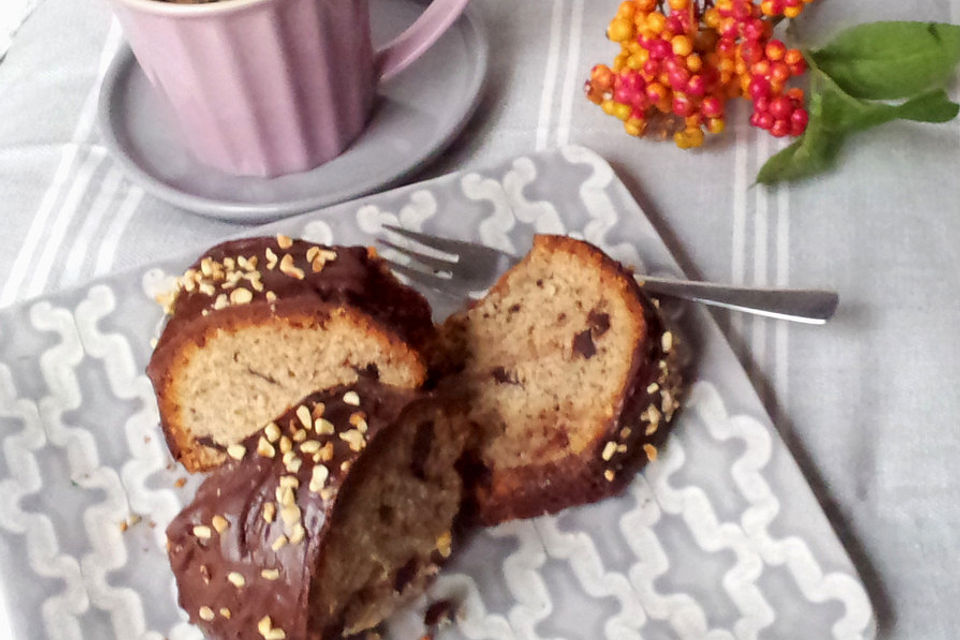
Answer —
454 247
441 285
437 264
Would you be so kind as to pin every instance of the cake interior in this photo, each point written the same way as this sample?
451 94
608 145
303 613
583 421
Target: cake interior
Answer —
391 524
238 379
546 354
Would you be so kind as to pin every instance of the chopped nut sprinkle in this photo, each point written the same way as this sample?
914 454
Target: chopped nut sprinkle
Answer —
312 253
666 341
318 409
271 296
279 543
221 302
651 414
651 452
345 466
298 534
285 496
299 435
265 449
288 268
202 531
225 612
285 445
270 574
352 398
625 432
236 451
653 388
269 511
206 288
353 438
443 544
220 523
271 259
310 446
359 420
294 465
608 450
318 478
621 448
326 493
264 626
272 431
284 242
651 428
326 452
236 579
303 413
206 613
289 481
609 475
324 427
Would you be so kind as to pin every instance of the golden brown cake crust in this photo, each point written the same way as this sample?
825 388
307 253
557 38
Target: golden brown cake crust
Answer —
618 445
284 283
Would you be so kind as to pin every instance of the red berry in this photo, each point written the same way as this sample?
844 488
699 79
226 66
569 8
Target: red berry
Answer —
696 86
674 24
799 67
796 130
765 121
781 108
779 72
742 10
775 50
682 105
755 29
800 117
755 119
711 107
678 79
758 88
652 68
761 104
780 128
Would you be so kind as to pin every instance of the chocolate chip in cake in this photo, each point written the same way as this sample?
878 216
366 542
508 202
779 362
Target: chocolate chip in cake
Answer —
502 376
422 441
583 344
599 322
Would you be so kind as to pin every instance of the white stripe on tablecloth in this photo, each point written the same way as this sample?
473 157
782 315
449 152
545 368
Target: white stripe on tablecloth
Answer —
40 272
760 254
111 239
739 232
782 342
73 267
61 180
550 76
573 72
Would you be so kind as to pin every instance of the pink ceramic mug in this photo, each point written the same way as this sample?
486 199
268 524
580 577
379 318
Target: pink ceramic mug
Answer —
269 87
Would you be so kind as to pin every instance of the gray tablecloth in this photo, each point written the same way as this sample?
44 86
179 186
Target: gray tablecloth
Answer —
868 404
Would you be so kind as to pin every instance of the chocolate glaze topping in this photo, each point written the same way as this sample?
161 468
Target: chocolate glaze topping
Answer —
272 270
235 579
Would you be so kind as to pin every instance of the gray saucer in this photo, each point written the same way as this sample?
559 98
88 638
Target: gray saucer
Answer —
417 115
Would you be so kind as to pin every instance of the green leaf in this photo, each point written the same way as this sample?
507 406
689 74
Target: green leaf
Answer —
812 153
890 60
834 114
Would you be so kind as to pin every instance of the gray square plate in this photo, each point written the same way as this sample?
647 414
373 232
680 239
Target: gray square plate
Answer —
720 538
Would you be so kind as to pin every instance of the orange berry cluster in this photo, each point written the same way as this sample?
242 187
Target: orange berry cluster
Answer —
686 63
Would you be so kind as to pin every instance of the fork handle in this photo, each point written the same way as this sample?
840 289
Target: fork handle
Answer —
810 306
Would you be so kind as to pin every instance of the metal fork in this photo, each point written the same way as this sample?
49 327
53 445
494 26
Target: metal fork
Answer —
464 267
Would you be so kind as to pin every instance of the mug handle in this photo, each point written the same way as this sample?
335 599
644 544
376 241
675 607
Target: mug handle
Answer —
420 36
